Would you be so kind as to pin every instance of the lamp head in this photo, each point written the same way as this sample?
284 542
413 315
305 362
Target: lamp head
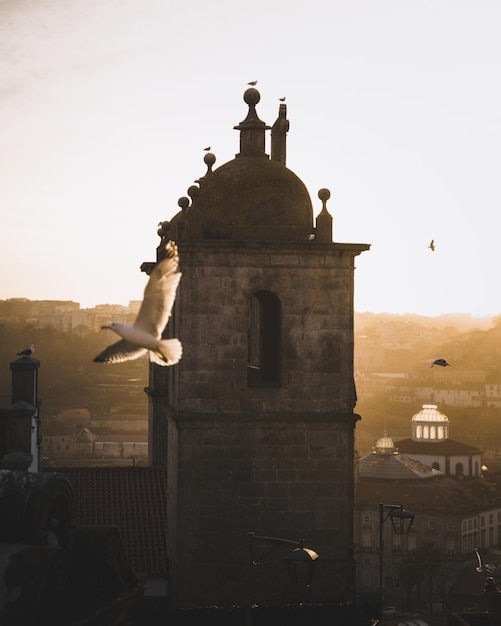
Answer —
401 520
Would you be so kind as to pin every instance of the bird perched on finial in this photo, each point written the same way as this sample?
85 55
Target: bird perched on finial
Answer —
27 351
432 245
253 83
145 335
441 362
207 149
282 99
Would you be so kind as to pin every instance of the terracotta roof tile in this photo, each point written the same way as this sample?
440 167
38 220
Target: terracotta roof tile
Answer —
132 498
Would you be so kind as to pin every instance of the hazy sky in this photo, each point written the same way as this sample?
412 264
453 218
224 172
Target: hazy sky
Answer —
394 105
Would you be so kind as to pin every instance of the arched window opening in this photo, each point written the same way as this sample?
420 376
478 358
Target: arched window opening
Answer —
265 340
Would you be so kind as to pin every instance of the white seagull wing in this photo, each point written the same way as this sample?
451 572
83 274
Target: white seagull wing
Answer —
119 352
160 294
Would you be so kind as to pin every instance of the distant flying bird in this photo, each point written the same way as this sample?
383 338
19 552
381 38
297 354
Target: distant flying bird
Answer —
441 362
432 245
146 332
28 351
253 83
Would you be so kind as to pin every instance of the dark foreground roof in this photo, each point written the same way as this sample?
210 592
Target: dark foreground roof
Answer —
132 498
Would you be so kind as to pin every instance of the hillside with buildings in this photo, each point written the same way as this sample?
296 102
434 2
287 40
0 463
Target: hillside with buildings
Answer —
88 405
394 376
89 411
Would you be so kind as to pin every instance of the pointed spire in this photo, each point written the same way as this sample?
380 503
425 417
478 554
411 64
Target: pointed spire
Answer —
279 132
252 129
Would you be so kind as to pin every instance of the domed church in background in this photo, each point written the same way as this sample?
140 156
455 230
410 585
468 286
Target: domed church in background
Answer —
255 425
431 445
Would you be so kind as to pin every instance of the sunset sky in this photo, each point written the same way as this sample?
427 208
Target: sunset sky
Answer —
394 105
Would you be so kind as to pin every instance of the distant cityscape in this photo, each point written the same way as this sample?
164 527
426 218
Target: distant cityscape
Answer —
392 369
66 315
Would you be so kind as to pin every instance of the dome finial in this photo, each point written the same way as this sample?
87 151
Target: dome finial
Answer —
252 129
209 160
324 219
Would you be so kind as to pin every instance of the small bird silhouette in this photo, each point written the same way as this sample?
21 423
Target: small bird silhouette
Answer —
432 245
145 335
207 149
441 362
253 83
282 99
27 351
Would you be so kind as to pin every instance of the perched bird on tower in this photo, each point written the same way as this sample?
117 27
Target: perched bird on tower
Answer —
145 335
27 351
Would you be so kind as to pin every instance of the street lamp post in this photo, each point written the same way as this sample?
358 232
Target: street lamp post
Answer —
300 563
401 521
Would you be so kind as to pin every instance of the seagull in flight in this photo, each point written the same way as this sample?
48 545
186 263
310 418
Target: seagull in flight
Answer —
432 245
28 351
481 567
145 335
441 362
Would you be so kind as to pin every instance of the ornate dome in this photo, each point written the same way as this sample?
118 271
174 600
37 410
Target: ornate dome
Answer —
429 413
252 197
255 198
384 445
430 424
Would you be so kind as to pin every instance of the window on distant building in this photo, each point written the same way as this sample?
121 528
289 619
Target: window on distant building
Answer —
367 519
431 524
265 341
450 526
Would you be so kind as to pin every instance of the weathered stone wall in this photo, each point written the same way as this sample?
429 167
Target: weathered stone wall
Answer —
285 477
277 461
315 287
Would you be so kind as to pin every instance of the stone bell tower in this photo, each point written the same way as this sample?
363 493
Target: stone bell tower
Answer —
256 424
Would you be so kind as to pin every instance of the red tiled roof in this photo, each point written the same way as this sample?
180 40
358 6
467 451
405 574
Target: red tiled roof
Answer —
132 498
